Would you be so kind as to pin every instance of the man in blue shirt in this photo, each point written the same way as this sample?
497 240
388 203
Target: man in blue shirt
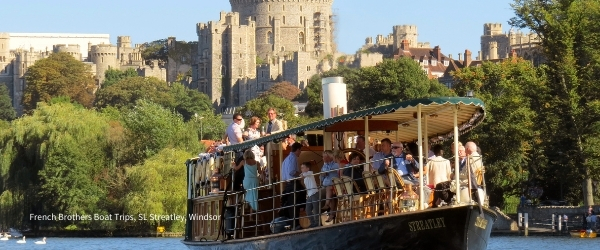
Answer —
289 171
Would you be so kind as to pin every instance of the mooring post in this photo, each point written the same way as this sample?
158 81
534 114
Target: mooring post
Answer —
526 224
553 222
520 220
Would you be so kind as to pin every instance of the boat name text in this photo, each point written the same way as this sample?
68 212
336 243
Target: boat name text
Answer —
421 225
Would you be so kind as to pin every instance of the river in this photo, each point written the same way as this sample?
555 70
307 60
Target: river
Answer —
496 243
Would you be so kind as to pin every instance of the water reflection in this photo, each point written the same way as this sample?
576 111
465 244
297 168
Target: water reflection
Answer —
542 243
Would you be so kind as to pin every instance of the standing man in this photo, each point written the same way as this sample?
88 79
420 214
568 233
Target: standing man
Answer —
289 171
234 130
474 160
274 125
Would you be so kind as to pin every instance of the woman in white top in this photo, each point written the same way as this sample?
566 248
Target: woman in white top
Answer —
253 129
438 168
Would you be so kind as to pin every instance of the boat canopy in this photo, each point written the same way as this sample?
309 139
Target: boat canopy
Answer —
397 120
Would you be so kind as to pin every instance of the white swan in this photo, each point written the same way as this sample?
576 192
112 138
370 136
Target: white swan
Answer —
41 242
4 237
22 241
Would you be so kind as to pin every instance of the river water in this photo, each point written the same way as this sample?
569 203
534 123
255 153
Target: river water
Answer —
496 243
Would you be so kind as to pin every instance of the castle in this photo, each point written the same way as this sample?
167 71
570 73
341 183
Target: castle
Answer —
260 43
498 45
14 60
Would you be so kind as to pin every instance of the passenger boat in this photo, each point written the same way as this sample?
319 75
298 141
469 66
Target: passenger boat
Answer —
377 219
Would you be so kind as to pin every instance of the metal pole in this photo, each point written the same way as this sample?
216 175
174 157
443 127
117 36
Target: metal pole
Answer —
520 220
367 145
559 223
553 222
456 162
420 142
526 224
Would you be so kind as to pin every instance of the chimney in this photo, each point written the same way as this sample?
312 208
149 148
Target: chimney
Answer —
467 60
404 45
437 52
459 56
479 57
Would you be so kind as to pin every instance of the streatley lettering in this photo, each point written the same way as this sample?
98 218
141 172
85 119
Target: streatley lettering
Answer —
480 222
427 224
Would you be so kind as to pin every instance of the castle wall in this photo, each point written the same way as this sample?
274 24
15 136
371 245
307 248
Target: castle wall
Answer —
369 59
71 49
5 57
45 41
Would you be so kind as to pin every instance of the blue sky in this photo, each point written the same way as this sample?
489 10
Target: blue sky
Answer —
453 25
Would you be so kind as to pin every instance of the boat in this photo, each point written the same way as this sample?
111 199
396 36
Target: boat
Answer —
218 217
583 233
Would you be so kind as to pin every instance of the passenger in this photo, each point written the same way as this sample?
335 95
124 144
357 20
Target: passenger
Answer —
475 161
288 141
254 128
234 131
413 150
289 171
251 179
386 152
312 195
438 168
355 172
326 181
361 145
274 125
405 164
339 157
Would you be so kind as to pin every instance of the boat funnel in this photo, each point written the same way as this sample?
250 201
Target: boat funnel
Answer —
334 96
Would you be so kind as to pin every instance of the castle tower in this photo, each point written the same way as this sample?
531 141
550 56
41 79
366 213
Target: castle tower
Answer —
288 26
4 53
105 57
492 35
405 32
493 53
490 29
71 49
124 42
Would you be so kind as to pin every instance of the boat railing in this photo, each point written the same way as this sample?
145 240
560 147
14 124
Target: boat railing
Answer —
380 197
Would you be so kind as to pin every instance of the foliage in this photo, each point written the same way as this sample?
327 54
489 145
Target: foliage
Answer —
569 38
151 128
210 126
284 90
155 50
189 101
112 76
48 163
127 91
511 91
259 106
158 187
58 75
161 50
7 112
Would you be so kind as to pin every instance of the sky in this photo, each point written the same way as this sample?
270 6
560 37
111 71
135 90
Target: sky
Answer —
453 25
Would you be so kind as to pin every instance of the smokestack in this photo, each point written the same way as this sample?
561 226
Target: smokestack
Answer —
334 97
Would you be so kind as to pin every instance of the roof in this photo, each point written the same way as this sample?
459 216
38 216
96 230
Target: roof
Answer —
438 110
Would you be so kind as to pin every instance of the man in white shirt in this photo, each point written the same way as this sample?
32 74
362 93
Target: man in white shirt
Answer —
234 130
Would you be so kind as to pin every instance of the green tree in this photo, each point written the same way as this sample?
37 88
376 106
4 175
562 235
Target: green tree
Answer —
58 75
568 34
7 112
155 50
259 106
210 126
112 76
151 127
158 186
127 91
392 81
189 101
509 136
54 163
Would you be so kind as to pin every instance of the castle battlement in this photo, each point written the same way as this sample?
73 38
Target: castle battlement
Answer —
103 50
4 36
492 29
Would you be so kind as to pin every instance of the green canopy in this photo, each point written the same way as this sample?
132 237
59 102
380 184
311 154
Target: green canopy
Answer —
402 116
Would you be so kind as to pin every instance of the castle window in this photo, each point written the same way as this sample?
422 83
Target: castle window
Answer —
283 19
300 7
241 72
282 48
101 59
269 37
283 7
240 40
307 68
301 20
301 39
269 8
240 55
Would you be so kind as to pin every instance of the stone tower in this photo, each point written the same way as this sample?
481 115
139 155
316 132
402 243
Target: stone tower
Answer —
4 53
105 57
493 36
289 26
71 49
405 32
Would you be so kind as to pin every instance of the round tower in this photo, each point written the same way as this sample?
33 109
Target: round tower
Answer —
105 57
285 26
405 32
71 49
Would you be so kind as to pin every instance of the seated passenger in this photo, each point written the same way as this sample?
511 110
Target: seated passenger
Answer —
355 172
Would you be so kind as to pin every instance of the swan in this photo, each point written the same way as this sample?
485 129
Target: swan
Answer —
22 241
4 237
41 242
